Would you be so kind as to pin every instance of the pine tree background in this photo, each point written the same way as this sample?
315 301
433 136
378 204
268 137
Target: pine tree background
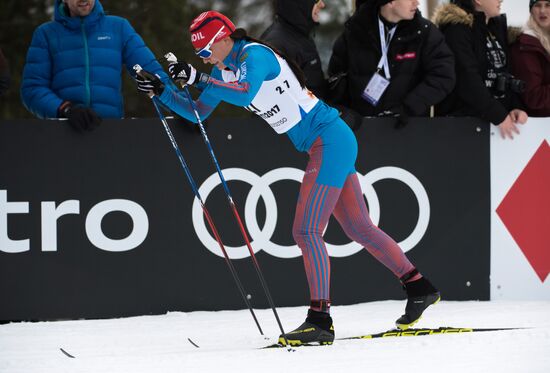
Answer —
163 26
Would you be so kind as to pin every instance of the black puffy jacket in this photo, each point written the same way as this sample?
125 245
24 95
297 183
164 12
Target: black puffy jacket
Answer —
291 33
421 64
466 34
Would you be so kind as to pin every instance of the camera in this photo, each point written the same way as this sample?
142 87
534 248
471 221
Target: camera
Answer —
507 82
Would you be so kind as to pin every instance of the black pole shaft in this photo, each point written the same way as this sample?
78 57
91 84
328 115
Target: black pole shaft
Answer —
236 213
230 265
206 213
258 270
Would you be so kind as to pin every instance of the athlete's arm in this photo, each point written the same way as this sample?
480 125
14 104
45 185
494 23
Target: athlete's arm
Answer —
179 102
257 65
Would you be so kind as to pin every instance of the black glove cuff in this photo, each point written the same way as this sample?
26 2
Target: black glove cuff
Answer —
159 88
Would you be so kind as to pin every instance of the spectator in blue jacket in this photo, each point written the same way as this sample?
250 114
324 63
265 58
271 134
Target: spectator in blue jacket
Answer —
74 63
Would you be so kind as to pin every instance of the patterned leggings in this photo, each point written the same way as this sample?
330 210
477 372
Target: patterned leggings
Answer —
330 186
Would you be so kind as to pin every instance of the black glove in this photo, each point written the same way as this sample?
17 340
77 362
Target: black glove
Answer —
398 112
80 118
352 118
149 83
184 73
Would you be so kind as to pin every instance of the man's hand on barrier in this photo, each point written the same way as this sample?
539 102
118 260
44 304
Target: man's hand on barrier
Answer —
149 83
507 127
519 116
398 112
79 117
352 118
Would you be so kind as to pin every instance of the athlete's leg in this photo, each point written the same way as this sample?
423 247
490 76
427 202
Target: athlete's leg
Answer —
315 205
331 156
352 214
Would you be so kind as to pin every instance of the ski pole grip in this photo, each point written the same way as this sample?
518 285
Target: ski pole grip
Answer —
139 71
143 73
171 57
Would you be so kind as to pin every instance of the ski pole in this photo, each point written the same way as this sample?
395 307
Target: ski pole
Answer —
170 57
140 72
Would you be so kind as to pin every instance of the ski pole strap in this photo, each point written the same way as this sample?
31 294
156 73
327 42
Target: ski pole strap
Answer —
406 277
321 305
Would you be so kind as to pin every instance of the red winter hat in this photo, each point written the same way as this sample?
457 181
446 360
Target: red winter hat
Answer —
207 25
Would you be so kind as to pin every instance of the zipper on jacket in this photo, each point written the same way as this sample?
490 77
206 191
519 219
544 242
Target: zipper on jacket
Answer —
87 66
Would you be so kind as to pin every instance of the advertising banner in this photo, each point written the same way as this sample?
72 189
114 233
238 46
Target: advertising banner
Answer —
520 208
105 224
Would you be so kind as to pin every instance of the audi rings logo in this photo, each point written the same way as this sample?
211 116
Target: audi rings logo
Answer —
261 237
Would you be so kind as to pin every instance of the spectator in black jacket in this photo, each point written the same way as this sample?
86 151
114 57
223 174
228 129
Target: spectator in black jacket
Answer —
291 33
420 69
477 33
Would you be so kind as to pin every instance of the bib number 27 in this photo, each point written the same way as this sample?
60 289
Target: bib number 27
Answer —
280 89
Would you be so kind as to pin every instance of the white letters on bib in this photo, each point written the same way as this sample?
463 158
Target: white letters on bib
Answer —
281 101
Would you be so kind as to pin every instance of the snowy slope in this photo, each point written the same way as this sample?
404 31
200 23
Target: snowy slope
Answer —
229 342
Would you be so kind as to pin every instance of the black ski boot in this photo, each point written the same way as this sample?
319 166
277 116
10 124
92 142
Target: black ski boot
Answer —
420 295
317 329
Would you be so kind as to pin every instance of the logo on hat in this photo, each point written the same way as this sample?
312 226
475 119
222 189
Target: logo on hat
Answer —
197 36
199 19
209 23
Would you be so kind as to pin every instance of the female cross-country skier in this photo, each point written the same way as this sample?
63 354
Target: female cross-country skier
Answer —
250 74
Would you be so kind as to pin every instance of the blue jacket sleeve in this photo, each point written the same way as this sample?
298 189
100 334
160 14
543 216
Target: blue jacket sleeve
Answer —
36 93
136 52
258 65
178 102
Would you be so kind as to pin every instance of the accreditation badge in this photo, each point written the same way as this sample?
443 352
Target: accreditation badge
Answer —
375 89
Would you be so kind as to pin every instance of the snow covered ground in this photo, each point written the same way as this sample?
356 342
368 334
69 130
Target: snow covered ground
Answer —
229 342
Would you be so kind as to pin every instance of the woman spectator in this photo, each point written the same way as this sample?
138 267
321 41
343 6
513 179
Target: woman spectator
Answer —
530 55
476 32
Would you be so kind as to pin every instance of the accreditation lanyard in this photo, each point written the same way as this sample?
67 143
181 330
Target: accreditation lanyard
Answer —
385 46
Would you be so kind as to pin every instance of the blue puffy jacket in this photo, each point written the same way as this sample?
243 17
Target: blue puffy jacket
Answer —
79 59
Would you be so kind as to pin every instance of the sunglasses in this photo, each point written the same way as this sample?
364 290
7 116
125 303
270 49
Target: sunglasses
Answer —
206 52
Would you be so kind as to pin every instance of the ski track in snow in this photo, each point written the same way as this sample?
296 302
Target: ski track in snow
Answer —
229 342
